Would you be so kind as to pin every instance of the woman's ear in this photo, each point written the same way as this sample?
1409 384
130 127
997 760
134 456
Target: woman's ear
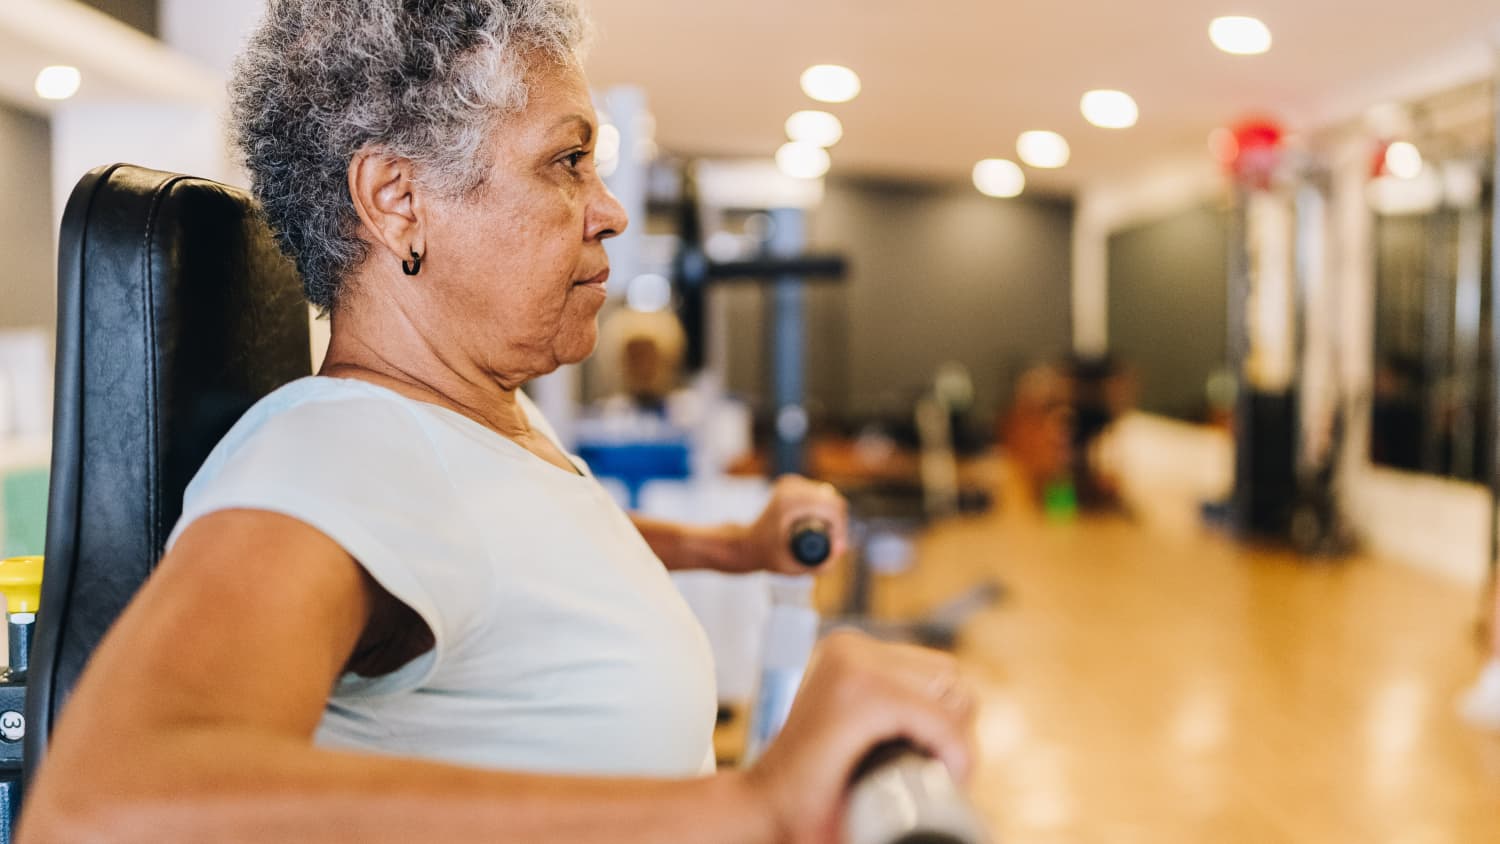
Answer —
389 203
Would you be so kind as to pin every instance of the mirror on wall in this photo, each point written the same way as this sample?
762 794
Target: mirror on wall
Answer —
1431 395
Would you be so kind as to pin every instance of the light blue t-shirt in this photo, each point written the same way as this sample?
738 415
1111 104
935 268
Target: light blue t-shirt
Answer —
561 644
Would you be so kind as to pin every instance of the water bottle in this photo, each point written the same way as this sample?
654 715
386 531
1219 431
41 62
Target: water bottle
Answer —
791 632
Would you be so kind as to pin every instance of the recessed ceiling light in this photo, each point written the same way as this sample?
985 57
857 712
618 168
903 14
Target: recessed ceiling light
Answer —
1403 160
802 161
999 178
58 82
1043 149
1239 35
830 83
818 128
1109 109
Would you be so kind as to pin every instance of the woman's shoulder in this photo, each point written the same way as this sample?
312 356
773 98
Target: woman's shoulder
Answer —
328 410
355 463
318 427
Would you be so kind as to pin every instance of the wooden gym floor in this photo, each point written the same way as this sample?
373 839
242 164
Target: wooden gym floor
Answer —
1150 687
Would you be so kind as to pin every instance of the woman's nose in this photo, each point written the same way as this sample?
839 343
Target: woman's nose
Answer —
608 217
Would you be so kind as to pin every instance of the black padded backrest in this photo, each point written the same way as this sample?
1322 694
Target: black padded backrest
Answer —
176 312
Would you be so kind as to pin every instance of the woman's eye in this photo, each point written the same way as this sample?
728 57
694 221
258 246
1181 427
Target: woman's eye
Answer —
576 158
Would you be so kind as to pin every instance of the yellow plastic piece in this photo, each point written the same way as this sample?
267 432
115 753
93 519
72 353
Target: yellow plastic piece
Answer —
21 582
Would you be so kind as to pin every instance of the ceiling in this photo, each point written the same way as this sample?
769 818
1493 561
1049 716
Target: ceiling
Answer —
948 82
120 64
945 83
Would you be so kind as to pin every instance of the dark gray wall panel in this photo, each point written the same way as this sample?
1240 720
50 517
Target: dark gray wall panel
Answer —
1167 307
140 14
938 272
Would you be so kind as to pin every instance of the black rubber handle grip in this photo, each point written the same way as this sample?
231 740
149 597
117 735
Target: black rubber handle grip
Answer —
812 541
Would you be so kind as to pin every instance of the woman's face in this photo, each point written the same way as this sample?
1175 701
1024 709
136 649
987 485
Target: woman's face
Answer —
519 266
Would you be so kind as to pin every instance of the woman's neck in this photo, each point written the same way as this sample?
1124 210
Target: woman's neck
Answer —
404 362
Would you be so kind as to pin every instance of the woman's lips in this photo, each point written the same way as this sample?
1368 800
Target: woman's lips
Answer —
597 282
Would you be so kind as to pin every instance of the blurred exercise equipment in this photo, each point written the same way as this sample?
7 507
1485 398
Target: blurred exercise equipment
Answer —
791 633
1290 411
20 585
810 542
782 264
903 796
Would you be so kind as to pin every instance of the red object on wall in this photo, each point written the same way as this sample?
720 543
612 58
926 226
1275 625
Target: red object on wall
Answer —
1377 164
1251 150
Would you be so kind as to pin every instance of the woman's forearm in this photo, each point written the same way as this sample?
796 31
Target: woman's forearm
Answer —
765 544
212 787
685 547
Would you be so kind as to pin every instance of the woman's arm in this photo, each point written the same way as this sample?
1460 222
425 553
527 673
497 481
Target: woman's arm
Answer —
760 546
683 547
194 722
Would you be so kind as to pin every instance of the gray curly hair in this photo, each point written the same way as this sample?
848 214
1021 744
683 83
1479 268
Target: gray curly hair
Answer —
319 80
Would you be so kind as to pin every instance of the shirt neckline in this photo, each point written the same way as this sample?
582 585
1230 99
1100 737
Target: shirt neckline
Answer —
579 473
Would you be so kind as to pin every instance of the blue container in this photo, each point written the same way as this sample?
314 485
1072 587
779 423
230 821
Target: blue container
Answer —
634 464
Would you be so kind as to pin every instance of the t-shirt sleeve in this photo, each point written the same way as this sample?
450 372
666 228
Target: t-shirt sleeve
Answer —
363 473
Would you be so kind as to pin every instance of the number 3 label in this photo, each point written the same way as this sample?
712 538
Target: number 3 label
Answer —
12 725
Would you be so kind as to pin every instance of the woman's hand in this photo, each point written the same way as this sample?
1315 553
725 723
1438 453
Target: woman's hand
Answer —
858 694
766 545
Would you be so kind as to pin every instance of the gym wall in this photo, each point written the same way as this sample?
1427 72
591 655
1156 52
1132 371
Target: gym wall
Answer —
1168 307
937 273
26 237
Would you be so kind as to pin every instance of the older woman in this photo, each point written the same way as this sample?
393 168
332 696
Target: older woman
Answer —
394 608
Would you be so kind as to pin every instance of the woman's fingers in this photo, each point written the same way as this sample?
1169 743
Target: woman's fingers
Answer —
796 500
859 694
923 696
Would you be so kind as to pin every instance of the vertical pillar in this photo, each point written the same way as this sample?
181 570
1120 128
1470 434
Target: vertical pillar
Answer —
1237 353
1492 428
1436 342
1466 303
788 239
1317 401
625 106
1263 352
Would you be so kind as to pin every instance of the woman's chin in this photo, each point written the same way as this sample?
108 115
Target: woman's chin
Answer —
576 348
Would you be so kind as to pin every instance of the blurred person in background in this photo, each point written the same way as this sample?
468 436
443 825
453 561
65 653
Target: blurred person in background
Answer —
1055 426
1103 390
1037 433
649 348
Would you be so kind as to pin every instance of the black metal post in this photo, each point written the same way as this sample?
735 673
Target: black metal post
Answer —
1436 342
1493 426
